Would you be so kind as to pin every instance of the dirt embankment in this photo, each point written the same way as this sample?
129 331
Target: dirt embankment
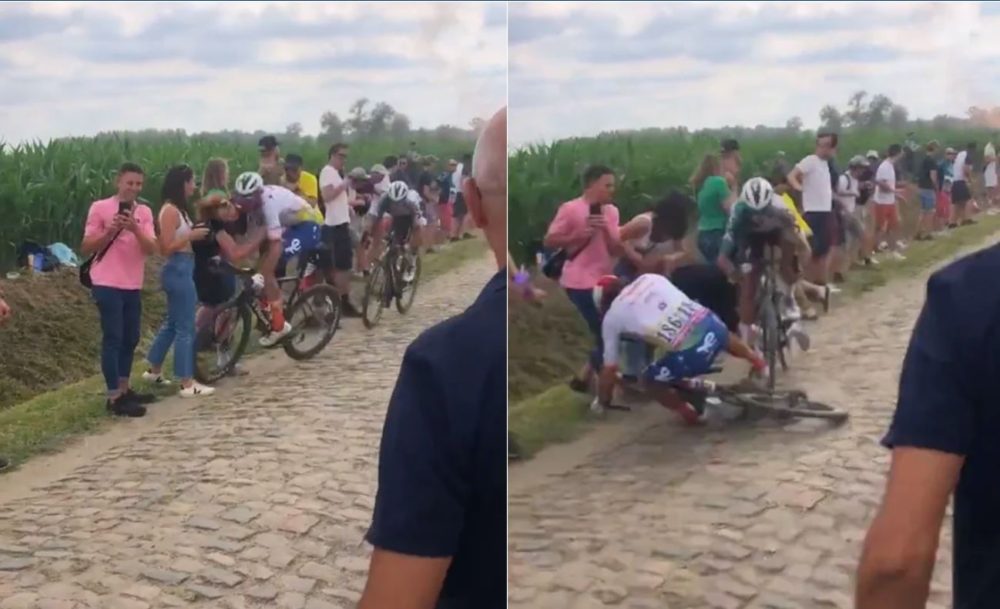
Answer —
54 337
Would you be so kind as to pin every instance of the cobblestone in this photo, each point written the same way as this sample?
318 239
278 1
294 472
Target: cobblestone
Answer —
748 516
242 501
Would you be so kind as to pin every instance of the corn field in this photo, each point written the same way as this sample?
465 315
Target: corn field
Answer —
648 165
46 189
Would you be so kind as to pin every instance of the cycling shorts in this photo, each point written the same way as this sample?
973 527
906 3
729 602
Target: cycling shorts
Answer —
708 338
301 238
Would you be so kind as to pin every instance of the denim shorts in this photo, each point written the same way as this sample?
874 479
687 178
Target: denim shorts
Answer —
928 198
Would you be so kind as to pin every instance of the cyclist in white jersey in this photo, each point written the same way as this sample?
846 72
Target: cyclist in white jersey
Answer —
291 229
652 310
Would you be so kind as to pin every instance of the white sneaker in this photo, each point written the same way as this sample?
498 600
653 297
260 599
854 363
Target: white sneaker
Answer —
898 256
800 336
901 245
792 311
882 246
156 379
274 338
196 390
834 289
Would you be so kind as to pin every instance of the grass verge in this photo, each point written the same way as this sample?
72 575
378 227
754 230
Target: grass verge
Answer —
44 422
547 343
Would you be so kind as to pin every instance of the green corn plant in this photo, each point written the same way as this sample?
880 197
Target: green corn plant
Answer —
650 163
46 188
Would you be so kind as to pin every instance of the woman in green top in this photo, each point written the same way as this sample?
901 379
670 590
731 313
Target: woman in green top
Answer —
714 185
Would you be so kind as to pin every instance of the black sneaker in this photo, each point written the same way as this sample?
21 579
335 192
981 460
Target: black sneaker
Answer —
579 385
140 398
125 407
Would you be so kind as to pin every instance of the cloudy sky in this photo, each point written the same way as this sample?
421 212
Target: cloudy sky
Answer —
70 68
578 69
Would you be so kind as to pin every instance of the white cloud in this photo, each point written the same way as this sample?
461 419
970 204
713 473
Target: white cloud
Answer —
579 68
76 68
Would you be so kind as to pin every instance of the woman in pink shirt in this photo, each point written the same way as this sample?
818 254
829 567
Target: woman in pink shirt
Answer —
587 228
120 231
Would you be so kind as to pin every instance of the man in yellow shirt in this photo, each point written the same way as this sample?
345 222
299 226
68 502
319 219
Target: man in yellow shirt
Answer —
299 181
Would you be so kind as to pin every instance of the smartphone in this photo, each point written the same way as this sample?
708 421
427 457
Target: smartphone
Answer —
124 207
595 209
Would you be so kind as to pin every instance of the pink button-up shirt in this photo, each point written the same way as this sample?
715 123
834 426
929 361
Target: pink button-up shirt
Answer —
124 265
594 261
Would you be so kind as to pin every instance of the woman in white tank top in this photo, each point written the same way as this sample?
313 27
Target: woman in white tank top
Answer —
654 241
177 279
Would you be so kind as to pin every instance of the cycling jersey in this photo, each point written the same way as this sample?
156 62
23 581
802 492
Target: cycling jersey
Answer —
749 228
281 207
653 310
410 206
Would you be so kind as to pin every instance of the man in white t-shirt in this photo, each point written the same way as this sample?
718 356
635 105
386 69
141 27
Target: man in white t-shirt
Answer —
990 177
886 206
337 198
961 191
848 191
812 178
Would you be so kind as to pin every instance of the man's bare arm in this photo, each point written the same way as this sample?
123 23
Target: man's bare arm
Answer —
399 581
899 551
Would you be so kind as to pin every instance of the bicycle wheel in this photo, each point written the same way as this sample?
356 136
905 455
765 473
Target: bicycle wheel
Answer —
408 289
788 404
220 346
769 327
318 309
373 300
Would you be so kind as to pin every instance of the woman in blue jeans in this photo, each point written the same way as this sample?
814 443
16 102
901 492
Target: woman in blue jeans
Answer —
177 276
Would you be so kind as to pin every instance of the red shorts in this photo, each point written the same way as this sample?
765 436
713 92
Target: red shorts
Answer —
886 217
942 207
444 214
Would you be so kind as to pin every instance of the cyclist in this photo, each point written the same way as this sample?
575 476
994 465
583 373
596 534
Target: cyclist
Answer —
651 309
756 223
403 206
292 229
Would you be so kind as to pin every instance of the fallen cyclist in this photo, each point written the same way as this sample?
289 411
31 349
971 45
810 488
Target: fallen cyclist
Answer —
690 336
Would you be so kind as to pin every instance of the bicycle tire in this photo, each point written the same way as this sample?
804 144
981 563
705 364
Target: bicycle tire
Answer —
242 312
402 294
790 404
373 300
331 323
769 326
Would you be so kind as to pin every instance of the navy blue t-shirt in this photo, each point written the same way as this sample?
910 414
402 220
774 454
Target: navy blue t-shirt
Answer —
442 479
948 401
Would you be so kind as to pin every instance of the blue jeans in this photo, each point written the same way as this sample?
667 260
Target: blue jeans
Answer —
583 300
177 277
121 314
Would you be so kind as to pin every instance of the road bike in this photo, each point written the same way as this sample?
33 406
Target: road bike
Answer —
313 312
393 276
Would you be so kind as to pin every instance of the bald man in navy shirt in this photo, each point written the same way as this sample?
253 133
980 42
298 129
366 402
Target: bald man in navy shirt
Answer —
439 528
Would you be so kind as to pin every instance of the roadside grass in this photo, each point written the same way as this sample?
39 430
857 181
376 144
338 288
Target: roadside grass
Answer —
548 343
43 423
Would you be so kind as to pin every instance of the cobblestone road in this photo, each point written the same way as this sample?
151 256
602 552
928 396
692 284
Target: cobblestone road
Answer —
752 516
258 497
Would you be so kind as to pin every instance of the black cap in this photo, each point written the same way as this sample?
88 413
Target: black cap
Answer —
268 142
293 160
730 145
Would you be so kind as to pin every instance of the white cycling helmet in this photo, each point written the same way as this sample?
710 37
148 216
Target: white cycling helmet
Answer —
757 193
248 183
398 190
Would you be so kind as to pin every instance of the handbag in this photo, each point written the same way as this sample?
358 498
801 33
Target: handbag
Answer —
85 279
553 266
